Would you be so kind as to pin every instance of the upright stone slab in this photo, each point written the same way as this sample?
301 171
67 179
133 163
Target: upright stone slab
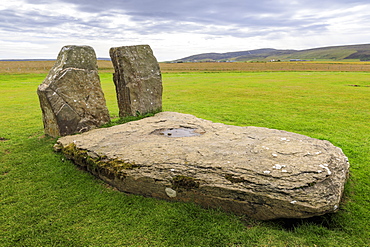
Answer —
138 80
71 97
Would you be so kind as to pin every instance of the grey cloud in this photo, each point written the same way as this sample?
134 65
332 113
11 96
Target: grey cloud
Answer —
13 21
37 22
217 12
168 16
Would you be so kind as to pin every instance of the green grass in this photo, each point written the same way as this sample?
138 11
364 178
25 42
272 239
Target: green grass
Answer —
47 201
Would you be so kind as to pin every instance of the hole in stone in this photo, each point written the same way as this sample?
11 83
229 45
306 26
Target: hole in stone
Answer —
178 132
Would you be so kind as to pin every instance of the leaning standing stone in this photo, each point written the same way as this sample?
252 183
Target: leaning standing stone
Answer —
71 97
138 80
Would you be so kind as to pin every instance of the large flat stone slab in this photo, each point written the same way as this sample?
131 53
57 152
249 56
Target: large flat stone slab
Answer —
261 172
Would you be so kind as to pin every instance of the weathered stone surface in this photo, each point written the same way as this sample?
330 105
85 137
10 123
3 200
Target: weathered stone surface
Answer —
137 79
71 97
261 172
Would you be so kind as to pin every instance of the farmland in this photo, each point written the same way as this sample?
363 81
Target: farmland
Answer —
47 201
265 66
25 67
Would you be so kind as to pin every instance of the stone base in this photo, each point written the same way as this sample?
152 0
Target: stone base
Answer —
264 173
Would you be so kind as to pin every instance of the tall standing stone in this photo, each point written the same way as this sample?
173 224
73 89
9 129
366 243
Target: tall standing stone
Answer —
137 79
71 97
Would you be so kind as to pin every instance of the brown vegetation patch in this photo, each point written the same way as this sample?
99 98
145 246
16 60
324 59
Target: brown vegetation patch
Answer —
39 67
264 66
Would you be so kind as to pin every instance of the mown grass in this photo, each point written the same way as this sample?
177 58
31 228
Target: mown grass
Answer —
47 201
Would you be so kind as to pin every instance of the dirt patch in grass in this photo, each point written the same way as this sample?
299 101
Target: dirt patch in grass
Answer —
355 85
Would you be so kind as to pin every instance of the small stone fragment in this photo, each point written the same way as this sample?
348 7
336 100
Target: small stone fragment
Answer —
170 192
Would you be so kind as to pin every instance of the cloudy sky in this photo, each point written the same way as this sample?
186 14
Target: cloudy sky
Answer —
175 28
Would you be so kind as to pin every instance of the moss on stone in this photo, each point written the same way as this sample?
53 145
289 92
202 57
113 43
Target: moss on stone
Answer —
184 182
100 164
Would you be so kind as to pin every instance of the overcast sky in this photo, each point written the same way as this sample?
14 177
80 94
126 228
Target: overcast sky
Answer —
179 28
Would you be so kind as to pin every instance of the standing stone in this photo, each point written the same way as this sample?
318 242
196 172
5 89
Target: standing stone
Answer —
71 97
138 80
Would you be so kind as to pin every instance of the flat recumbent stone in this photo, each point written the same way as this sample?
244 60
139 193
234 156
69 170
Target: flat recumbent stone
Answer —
264 173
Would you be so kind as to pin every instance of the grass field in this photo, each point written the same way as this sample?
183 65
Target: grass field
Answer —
47 201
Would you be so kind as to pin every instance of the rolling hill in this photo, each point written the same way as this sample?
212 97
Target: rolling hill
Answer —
352 52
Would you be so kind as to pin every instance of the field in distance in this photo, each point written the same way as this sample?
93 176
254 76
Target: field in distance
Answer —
39 67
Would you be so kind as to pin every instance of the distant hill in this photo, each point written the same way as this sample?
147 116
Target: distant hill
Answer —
353 52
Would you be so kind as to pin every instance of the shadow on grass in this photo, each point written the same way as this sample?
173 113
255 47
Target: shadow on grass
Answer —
327 221
117 121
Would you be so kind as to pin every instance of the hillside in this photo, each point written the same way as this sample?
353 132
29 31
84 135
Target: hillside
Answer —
353 52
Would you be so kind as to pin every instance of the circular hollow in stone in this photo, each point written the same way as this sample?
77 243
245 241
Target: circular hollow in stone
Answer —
177 132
